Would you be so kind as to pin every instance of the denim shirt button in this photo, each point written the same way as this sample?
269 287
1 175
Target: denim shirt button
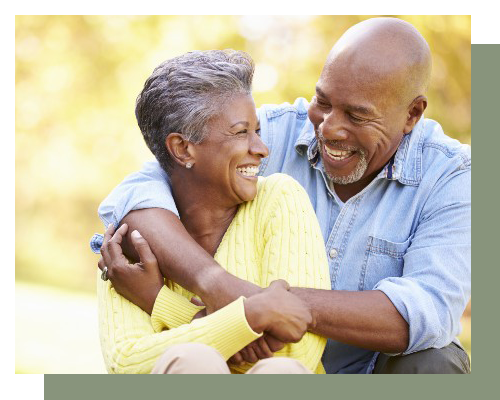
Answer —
333 253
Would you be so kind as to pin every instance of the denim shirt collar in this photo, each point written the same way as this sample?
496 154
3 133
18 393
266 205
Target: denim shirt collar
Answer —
405 166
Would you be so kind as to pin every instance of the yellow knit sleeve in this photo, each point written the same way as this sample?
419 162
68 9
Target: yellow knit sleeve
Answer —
172 310
293 249
130 345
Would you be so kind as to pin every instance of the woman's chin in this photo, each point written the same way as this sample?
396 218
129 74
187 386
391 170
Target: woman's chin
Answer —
247 193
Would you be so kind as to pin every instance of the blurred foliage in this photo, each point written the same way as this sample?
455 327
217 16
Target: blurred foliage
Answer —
76 82
77 78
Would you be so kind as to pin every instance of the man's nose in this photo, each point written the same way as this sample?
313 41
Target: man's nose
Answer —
333 128
257 147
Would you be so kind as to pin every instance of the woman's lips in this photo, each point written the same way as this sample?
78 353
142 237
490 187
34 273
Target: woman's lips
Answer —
248 172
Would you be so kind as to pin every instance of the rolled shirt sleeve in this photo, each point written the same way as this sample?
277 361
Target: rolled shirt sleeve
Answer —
436 283
148 188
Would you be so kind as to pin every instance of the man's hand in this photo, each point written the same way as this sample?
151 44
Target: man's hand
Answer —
280 313
139 282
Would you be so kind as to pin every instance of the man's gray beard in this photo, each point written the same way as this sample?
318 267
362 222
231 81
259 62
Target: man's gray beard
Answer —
354 176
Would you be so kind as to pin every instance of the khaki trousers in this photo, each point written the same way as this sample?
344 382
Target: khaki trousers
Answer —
197 358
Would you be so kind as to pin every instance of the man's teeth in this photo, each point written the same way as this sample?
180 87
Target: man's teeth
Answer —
338 155
248 171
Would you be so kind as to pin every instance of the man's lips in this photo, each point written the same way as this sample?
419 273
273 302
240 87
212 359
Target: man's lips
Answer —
338 157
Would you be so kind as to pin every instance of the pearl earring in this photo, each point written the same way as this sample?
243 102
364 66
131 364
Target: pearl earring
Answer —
188 165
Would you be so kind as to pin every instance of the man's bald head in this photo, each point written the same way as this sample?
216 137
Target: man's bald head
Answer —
387 51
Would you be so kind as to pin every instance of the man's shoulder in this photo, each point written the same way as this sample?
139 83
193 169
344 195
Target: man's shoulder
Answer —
429 154
436 142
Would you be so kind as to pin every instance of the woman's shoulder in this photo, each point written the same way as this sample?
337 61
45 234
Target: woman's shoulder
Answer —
276 184
278 188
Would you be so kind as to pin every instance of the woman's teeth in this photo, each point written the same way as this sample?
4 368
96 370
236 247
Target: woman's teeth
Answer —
248 171
338 155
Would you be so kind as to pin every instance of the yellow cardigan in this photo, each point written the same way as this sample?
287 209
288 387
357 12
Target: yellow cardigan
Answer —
274 236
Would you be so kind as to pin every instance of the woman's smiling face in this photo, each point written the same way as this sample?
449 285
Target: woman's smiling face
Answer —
228 159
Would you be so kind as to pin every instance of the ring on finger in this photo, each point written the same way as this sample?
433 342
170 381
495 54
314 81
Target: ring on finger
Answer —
104 275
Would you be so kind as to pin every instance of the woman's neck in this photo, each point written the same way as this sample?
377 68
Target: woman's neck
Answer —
204 219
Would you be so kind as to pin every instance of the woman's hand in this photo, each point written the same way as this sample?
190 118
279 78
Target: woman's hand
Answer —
263 347
138 283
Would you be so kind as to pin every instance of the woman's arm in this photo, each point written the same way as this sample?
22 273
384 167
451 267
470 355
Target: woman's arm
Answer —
130 344
293 249
129 341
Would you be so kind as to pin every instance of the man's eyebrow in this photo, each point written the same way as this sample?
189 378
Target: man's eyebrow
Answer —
360 109
245 123
351 107
320 92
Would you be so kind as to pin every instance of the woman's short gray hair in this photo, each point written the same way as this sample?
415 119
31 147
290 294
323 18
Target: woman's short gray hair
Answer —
184 93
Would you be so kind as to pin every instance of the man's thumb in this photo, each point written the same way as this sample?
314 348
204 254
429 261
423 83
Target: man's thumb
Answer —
142 247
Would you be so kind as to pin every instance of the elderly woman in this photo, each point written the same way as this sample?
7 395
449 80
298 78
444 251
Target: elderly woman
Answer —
198 118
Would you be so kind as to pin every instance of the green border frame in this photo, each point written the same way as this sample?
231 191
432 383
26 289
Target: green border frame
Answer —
485 100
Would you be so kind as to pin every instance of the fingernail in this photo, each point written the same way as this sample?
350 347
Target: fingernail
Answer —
136 234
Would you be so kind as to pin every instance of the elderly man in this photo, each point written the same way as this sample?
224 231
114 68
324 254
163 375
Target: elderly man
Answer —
391 192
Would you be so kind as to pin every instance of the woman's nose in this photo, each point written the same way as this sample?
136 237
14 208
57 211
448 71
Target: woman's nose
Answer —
257 147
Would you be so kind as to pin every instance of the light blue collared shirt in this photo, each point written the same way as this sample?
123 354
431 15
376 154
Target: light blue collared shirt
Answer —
407 234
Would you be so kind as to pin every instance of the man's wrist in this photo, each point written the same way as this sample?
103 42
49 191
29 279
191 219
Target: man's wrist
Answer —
217 287
211 283
302 294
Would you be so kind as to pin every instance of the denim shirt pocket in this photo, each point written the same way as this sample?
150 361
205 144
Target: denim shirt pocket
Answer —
383 259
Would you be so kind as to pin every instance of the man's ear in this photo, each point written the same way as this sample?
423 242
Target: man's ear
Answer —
180 149
415 111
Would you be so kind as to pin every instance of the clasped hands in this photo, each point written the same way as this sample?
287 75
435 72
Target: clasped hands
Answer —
281 315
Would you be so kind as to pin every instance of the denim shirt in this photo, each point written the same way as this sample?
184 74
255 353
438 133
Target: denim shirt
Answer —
406 234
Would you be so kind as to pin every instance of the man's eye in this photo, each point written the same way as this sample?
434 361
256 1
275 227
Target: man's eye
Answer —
242 132
356 119
321 103
257 131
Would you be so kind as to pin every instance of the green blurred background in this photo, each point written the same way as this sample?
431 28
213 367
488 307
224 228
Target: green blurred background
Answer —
77 78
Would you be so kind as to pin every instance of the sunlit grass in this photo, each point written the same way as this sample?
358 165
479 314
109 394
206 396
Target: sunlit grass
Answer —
56 331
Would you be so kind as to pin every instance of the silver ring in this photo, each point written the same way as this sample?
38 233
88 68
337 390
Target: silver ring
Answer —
104 275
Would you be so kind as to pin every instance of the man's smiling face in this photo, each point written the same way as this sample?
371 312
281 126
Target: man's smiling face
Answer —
357 121
370 93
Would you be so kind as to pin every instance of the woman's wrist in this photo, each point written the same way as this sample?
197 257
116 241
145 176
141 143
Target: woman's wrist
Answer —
255 313
151 299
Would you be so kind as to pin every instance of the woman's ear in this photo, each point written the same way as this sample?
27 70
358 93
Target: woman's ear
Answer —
415 111
180 149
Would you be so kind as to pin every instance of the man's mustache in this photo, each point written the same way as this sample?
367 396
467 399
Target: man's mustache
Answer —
338 144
